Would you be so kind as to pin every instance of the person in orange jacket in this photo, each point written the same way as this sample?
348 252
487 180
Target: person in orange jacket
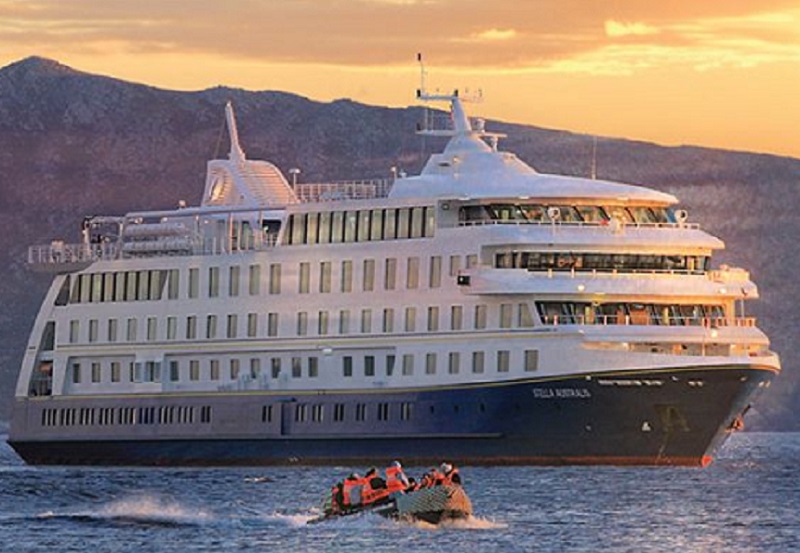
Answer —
396 480
450 474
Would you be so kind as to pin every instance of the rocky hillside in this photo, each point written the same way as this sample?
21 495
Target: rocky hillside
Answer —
73 144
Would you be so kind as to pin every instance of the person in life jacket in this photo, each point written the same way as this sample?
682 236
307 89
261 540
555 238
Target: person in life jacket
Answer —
431 478
450 474
396 479
351 490
374 487
337 497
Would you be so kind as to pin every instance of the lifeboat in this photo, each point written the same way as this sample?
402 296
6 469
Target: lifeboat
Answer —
432 505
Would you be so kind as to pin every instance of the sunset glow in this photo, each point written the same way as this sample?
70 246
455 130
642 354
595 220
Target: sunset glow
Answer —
719 74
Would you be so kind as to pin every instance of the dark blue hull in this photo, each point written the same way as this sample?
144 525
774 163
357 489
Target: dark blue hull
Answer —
664 417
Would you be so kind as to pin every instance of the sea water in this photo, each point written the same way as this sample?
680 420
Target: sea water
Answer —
747 500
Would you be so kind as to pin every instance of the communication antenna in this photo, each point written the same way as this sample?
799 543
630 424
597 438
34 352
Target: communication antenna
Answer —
422 74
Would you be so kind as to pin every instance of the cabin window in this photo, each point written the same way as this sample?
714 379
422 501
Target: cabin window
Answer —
347 366
454 362
505 315
455 265
211 326
338 412
132 285
272 324
298 228
390 360
174 371
366 321
112 330
524 316
430 363
213 282
131 330
390 224
435 272
173 282
325 277
388 320
390 274
255 368
368 283
108 287
194 283
302 323
412 273
592 214
76 373
322 323
456 317
408 364
531 360
191 327
376 232
430 222
361 411
472 261
305 277
411 319
275 278
116 371
337 227
313 367
172 328
403 222
234 274
275 367
152 328
95 372
344 321
369 365
252 325
119 286
233 326
480 317
347 276
417 222
97 288
312 227
433 318
477 361
324 227
364 225
92 330
351 226
503 361
235 366
144 285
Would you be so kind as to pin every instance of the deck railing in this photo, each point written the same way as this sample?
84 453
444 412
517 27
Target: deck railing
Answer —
645 320
619 227
347 190
60 253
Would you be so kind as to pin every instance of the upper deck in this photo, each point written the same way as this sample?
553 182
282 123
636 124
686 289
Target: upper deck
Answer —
248 205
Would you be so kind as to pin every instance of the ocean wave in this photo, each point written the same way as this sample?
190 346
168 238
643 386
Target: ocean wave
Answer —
146 511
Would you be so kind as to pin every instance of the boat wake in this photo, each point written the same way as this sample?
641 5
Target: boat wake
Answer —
469 523
144 511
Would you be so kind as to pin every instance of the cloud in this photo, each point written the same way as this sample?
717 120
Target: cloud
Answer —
617 28
495 34
550 35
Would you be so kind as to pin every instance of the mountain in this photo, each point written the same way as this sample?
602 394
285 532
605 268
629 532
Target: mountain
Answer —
73 144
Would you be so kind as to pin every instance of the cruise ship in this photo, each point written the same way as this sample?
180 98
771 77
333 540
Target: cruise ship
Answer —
479 312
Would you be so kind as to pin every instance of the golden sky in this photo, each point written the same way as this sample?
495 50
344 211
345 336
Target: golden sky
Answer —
720 73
